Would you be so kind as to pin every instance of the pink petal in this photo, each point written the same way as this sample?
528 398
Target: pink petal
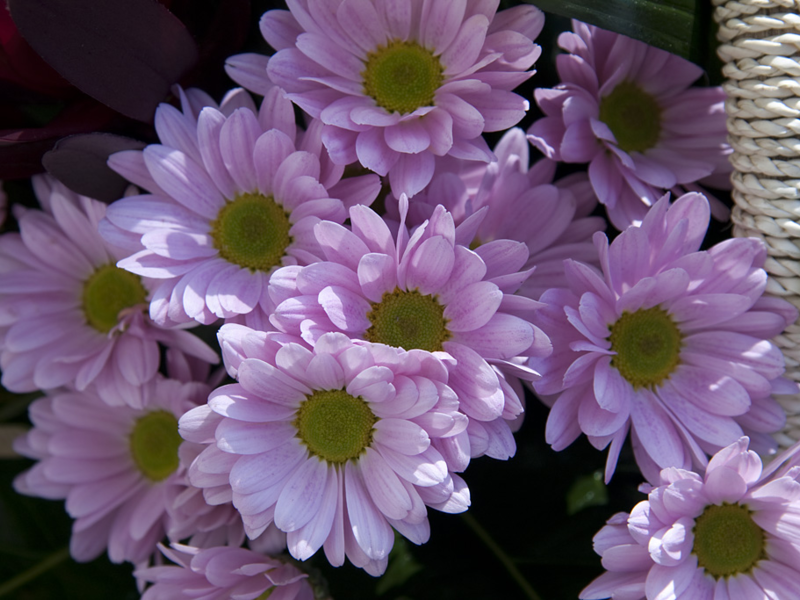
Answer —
372 532
302 495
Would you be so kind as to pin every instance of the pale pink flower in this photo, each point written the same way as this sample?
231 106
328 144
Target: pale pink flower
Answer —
118 467
399 83
424 290
231 198
626 108
731 534
668 343
334 444
223 573
68 315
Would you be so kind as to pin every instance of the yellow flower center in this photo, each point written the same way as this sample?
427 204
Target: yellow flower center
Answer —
633 116
408 320
647 345
334 425
402 76
252 231
107 292
727 541
154 444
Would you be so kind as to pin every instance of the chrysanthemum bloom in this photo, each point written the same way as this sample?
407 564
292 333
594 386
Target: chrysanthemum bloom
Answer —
422 291
223 573
333 445
68 315
669 342
730 534
231 198
626 108
399 83
116 466
523 204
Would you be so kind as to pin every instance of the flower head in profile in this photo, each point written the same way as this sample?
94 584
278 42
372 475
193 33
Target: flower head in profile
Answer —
334 444
513 200
231 198
221 573
669 343
731 533
626 108
118 467
399 83
70 316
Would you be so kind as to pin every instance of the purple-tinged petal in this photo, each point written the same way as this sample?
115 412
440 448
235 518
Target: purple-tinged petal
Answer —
183 180
473 307
345 309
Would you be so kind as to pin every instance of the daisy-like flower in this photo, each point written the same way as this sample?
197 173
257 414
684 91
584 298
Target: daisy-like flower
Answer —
334 445
626 108
522 203
398 83
731 534
68 315
223 573
231 198
424 291
668 342
116 466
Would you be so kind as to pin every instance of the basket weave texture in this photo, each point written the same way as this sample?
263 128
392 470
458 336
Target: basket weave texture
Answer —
760 46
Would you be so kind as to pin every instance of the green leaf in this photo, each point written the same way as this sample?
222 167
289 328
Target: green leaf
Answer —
586 491
402 566
677 26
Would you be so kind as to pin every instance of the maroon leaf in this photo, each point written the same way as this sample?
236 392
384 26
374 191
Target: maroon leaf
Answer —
21 148
79 162
124 53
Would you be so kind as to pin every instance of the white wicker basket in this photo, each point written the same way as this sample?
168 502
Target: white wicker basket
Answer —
760 46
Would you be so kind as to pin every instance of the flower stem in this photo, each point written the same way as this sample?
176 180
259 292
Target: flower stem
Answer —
500 555
45 565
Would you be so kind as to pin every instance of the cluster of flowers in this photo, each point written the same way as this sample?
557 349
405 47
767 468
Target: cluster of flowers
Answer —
375 353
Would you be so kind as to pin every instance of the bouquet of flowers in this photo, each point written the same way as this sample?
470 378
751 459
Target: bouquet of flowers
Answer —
390 298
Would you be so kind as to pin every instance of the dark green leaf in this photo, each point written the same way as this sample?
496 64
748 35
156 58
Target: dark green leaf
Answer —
677 26
586 491
402 566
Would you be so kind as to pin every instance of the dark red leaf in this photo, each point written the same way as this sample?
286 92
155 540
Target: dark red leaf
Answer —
79 162
21 149
124 53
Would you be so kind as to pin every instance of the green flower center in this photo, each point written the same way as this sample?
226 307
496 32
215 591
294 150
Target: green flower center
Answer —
154 444
252 231
633 116
727 541
647 345
107 292
408 320
334 425
402 76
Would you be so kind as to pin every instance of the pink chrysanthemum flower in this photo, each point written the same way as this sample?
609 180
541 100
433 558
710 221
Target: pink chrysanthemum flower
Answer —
626 108
68 315
398 83
668 342
223 573
522 203
731 534
424 290
231 198
334 445
117 467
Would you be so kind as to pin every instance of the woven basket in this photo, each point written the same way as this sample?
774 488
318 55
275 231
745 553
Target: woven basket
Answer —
760 46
